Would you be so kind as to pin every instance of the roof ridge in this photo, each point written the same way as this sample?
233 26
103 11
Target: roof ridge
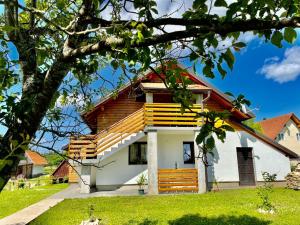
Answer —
288 114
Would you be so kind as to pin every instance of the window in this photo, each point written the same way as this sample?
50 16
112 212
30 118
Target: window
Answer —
298 136
280 137
188 153
138 153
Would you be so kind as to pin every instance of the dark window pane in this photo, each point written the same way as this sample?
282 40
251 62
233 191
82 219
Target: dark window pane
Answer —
133 154
138 153
188 152
143 153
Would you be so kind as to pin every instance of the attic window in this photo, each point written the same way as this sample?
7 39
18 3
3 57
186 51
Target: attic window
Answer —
298 136
280 137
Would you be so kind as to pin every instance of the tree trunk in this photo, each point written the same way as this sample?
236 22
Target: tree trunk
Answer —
35 101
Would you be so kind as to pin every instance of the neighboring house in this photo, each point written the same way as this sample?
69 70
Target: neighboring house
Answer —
32 165
285 130
143 131
64 170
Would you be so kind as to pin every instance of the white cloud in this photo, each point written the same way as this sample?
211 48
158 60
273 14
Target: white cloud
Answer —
283 71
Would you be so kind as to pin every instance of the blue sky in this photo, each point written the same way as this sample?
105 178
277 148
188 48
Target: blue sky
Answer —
272 91
265 74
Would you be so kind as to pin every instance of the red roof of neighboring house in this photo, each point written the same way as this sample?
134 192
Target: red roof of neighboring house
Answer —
272 127
36 158
62 170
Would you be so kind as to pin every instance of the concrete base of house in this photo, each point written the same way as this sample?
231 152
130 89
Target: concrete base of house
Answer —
236 185
211 186
108 187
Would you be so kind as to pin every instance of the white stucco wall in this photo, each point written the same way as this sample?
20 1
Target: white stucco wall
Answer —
170 150
37 170
266 158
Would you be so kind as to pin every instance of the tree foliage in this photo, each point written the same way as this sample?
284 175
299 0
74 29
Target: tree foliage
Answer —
254 125
63 47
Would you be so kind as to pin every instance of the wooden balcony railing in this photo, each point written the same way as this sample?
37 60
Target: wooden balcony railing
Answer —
170 114
152 114
117 132
82 147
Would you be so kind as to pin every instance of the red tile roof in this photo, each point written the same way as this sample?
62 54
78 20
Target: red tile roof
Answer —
36 158
272 127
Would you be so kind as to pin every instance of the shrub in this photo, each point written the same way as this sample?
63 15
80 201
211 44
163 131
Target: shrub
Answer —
21 184
264 192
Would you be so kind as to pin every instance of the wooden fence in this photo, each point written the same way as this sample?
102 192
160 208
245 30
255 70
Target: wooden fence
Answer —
178 180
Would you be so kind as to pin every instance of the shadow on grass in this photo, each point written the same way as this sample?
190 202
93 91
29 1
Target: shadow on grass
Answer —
196 219
144 222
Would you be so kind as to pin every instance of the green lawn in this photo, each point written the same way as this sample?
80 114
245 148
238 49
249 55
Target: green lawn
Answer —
12 201
230 207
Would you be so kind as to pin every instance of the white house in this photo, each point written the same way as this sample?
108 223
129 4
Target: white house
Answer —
285 130
32 165
143 131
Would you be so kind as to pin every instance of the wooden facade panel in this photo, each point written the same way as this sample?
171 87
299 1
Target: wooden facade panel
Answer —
73 176
177 180
212 104
117 109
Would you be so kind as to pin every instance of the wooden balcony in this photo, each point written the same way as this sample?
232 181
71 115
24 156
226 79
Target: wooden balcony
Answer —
170 114
152 114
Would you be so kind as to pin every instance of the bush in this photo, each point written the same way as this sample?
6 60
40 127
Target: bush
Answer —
21 184
264 192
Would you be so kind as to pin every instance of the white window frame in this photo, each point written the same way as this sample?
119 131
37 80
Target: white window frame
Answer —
280 137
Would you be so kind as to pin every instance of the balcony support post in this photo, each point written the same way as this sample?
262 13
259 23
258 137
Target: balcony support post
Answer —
152 162
199 165
87 178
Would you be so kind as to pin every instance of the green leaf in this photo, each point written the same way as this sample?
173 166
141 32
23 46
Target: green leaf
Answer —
229 93
140 36
198 3
290 35
61 4
239 44
276 39
227 128
220 3
210 143
229 58
114 64
193 56
221 70
207 71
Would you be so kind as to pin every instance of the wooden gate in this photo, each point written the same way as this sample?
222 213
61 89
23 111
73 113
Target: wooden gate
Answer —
178 180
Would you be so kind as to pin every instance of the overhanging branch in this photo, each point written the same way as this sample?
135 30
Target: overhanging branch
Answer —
221 28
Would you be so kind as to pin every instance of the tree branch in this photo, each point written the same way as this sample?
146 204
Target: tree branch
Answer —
218 28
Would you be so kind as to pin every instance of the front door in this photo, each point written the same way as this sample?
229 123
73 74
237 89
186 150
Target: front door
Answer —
245 165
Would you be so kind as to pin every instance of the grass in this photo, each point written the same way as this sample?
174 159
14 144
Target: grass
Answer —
231 207
13 201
